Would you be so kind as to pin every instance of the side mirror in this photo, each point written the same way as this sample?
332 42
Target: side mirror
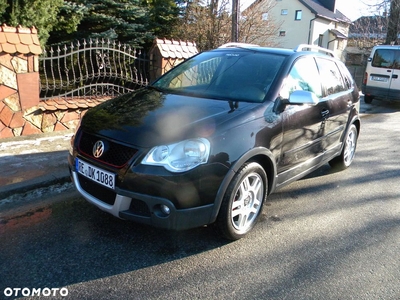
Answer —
300 97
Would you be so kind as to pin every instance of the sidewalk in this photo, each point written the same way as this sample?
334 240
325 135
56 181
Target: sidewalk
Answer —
31 162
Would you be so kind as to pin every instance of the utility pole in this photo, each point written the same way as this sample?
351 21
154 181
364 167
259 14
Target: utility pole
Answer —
235 21
393 23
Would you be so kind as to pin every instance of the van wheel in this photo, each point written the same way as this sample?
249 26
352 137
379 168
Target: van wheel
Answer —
345 158
243 201
368 99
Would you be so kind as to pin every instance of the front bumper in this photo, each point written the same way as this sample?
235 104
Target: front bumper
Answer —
146 209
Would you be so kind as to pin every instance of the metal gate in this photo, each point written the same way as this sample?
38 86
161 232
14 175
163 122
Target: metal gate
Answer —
92 68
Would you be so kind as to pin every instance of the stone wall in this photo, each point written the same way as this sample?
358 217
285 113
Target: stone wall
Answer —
21 111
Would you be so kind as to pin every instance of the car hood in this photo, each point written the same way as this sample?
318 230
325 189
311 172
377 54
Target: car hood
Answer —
148 117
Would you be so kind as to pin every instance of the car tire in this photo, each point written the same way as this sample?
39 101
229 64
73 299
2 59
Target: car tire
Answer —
344 160
243 201
368 99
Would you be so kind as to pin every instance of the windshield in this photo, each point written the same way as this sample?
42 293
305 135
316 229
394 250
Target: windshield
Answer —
229 75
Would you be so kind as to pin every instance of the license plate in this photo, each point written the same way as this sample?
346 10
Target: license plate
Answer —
94 173
379 78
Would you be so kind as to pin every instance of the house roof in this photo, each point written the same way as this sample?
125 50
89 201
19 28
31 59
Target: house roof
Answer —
320 10
19 40
338 34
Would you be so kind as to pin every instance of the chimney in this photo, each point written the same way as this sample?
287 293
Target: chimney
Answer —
329 4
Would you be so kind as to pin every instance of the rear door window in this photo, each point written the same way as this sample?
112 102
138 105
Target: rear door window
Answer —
348 79
386 58
331 76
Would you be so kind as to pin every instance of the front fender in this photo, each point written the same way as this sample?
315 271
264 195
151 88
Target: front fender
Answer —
261 155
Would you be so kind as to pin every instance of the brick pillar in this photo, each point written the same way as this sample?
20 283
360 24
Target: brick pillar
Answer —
166 54
19 78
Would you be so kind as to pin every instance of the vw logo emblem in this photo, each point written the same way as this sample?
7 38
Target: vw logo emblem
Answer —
98 149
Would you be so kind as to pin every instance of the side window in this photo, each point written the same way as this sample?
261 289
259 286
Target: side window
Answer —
348 79
396 63
331 77
302 76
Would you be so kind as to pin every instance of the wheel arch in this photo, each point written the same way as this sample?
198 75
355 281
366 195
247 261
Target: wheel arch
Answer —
260 155
357 123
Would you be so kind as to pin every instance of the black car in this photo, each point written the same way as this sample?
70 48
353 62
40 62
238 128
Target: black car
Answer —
209 140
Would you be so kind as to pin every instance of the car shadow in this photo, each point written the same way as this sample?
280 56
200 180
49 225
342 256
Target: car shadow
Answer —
74 242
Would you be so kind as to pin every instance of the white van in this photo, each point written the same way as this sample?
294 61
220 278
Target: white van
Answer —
381 78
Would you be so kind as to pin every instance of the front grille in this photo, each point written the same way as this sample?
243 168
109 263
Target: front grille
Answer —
115 154
96 190
139 208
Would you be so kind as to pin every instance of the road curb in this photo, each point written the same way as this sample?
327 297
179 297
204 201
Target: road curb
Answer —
60 177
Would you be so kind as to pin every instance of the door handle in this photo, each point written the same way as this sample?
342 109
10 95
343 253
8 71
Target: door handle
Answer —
395 76
325 113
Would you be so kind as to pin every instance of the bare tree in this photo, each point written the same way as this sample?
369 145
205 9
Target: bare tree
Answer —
206 22
393 23
209 24
392 18
258 27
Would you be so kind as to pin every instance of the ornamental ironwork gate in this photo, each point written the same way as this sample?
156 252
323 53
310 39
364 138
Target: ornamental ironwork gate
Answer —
92 68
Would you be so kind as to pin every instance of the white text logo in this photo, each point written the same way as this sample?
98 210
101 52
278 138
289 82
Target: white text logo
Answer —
26 292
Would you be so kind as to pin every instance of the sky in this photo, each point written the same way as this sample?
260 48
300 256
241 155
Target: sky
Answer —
353 9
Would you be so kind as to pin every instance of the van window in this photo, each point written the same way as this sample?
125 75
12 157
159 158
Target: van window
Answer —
386 58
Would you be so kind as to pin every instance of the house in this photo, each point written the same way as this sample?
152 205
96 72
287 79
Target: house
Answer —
315 22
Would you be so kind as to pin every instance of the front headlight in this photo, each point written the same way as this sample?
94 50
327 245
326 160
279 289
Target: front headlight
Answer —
179 157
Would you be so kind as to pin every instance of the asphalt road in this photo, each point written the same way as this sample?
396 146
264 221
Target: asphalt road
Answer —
327 236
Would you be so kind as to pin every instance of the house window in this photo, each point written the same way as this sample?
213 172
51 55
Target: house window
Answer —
284 12
320 39
282 33
298 14
265 16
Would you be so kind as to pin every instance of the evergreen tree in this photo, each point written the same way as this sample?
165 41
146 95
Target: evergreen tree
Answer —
163 17
69 17
124 20
3 7
39 13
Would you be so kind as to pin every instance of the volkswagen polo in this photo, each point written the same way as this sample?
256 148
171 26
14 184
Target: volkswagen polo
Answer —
208 141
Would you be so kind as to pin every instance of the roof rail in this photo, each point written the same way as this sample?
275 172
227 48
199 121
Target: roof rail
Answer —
305 47
238 45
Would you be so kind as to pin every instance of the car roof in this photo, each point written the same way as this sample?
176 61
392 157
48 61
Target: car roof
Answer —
302 48
255 48
386 47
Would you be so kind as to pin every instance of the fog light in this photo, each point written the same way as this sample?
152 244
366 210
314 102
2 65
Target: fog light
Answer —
165 209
